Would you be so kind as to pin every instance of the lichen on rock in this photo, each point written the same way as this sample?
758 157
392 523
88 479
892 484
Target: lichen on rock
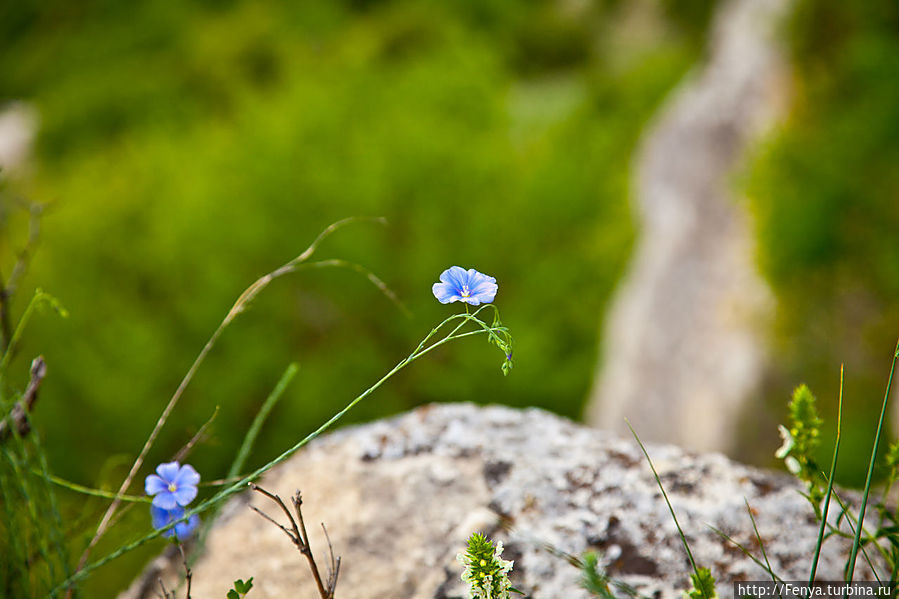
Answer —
401 496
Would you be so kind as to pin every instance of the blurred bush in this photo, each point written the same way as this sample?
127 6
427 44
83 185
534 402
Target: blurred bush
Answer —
826 196
188 148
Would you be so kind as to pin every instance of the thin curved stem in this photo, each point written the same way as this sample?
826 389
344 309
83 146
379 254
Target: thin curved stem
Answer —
238 307
241 484
850 567
833 468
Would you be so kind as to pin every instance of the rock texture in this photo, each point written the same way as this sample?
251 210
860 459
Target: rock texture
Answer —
400 497
18 127
684 337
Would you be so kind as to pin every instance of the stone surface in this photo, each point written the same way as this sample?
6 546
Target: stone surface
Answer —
684 338
18 127
399 497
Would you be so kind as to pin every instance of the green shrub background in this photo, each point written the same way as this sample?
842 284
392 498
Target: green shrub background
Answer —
825 192
187 148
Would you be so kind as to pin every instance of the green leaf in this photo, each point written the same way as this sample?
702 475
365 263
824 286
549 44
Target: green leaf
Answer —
45 299
593 578
703 584
892 456
806 424
241 588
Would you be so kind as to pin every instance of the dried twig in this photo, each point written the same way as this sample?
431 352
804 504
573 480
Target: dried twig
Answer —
18 416
188 575
165 594
334 567
299 537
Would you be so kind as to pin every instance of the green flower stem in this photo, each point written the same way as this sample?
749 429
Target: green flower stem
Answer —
55 530
269 403
850 566
239 305
38 297
29 495
680 531
853 523
764 566
17 334
246 446
759 538
239 486
67 484
833 468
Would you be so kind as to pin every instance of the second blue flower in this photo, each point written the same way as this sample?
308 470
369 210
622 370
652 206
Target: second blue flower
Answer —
173 485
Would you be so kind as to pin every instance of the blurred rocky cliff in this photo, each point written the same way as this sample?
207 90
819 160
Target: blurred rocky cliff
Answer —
684 341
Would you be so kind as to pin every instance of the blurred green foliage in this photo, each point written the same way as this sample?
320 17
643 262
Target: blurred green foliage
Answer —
826 195
186 149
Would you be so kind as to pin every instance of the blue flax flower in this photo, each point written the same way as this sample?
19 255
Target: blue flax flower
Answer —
469 286
173 485
162 518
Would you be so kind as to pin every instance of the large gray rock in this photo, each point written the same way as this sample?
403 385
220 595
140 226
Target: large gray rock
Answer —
400 497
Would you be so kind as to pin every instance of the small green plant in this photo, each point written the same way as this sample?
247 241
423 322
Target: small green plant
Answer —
240 589
595 579
32 530
485 573
703 585
800 442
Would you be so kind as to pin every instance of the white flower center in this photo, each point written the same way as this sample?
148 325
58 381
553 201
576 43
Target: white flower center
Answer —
173 487
465 291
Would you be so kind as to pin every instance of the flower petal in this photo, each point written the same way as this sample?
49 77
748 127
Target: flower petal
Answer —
445 293
187 476
485 292
184 495
476 278
165 501
455 276
787 445
183 529
482 287
153 485
158 517
162 518
168 471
